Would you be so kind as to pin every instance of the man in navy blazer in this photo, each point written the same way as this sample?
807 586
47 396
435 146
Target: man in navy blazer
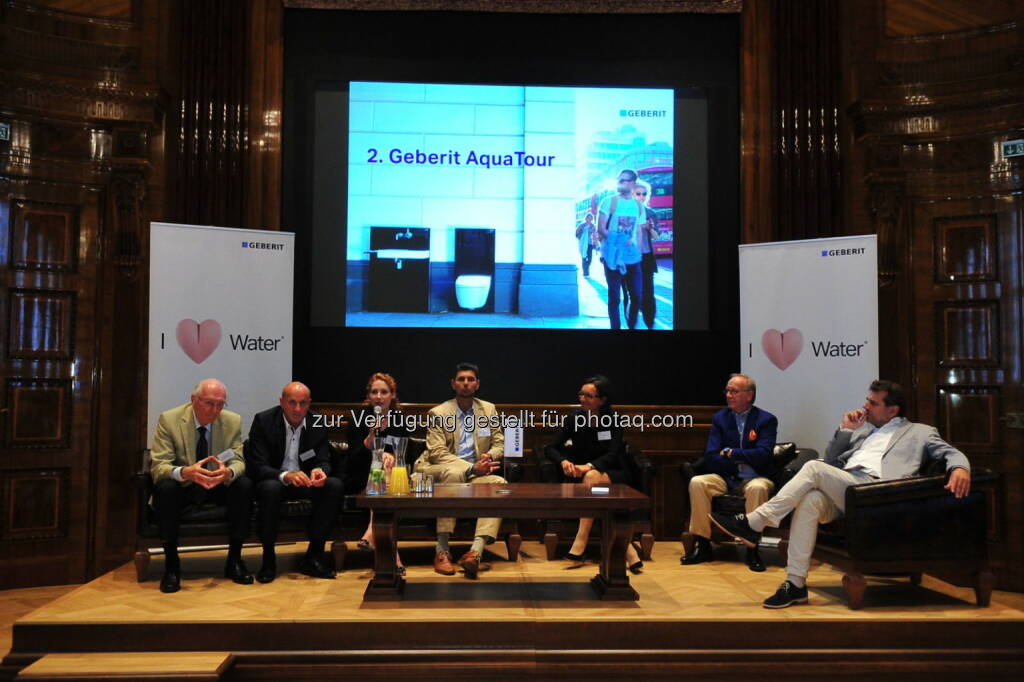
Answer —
288 455
738 457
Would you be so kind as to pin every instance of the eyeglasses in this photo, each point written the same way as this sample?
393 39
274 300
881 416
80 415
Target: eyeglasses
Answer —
214 404
733 391
640 194
581 394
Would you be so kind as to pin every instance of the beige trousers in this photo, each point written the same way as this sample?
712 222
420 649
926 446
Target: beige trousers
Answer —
706 487
484 527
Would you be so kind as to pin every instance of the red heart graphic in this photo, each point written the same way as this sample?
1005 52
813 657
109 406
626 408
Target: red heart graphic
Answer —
198 339
782 348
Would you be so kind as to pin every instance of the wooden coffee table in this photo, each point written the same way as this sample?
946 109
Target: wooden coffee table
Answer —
616 508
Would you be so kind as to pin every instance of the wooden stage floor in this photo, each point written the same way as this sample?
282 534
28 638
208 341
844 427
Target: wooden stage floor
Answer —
535 619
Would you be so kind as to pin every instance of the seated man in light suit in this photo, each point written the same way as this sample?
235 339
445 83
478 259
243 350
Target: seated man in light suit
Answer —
196 458
289 457
460 454
874 443
738 457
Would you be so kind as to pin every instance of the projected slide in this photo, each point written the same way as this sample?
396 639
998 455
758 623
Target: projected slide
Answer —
509 207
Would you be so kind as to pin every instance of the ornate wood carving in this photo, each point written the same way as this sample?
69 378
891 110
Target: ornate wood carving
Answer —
887 212
129 191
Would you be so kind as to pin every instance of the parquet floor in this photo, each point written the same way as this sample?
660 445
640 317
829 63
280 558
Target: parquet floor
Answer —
531 589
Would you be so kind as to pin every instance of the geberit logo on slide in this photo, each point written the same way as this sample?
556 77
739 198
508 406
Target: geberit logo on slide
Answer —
265 246
643 113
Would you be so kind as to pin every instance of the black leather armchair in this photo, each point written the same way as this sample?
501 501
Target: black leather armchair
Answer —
909 527
642 473
788 459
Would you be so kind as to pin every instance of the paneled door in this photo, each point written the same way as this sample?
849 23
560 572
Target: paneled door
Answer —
966 263
49 282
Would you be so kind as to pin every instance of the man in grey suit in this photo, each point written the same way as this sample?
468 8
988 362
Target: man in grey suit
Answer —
874 443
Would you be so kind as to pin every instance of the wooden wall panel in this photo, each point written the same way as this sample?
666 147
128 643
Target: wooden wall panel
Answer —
968 334
78 86
35 504
927 111
38 414
43 236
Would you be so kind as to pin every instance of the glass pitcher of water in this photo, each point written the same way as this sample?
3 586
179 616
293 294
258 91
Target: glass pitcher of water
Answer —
375 484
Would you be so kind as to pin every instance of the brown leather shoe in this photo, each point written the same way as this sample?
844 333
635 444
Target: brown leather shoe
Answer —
443 563
470 563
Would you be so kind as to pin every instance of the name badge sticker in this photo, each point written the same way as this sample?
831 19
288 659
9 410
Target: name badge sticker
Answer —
226 455
483 433
308 454
604 435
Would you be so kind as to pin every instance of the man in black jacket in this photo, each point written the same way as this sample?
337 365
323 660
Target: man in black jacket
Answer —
288 456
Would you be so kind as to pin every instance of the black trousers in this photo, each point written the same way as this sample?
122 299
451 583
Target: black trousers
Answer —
648 266
633 283
271 494
171 497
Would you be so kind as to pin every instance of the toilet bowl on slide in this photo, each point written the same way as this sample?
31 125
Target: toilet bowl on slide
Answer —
471 290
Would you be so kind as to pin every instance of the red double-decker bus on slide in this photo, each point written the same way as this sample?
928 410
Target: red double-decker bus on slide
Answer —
659 204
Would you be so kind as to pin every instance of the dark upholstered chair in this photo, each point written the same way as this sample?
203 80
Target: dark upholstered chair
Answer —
788 458
909 527
642 474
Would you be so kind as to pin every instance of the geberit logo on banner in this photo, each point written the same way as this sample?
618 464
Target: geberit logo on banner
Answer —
213 314
269 246
809 330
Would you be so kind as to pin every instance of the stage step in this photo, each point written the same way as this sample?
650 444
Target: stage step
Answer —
195 665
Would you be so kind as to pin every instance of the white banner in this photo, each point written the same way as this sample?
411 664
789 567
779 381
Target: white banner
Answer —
809 330
220 305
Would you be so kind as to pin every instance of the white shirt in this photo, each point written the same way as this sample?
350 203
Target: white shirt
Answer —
290 463
868 457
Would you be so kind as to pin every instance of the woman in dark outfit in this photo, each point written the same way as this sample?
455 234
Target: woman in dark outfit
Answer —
382 392
594 457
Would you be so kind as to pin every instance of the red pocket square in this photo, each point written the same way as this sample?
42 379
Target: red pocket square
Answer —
752 435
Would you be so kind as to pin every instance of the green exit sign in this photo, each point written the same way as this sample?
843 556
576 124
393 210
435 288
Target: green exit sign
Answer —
1013 148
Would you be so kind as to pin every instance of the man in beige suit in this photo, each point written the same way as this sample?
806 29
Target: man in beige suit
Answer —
197 458
464 443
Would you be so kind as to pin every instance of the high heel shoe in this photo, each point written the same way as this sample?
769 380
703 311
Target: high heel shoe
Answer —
364 545
577 559
636 569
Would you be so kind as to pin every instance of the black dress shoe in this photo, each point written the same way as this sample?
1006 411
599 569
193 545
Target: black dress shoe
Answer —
266 574
171 582
736 526
754 562
637 568
701 553
237 571
315 567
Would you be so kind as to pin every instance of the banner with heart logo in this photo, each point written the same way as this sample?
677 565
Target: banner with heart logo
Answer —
220 305
809 330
